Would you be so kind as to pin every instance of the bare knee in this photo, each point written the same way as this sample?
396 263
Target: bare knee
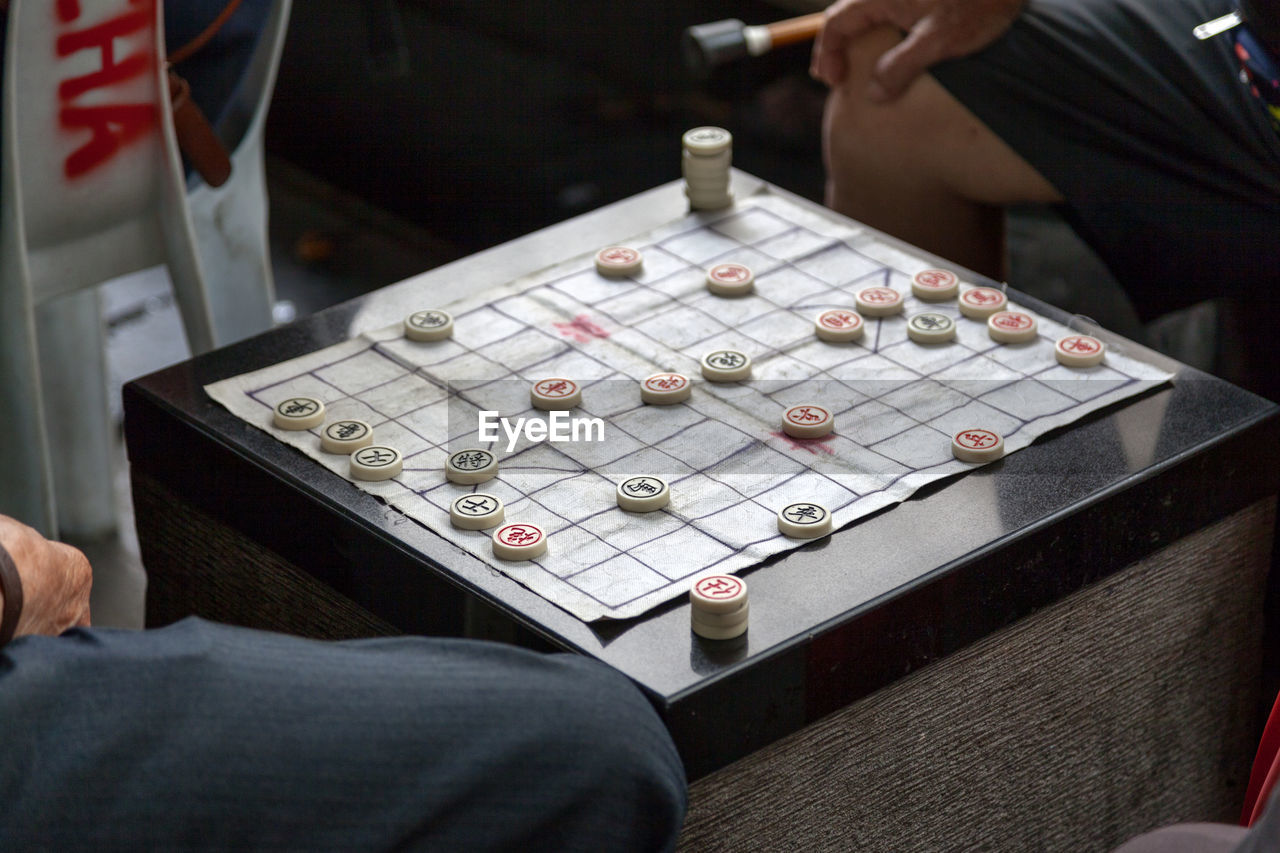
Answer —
855 139
925 141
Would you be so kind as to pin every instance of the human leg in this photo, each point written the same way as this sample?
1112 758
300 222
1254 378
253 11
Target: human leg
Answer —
200 736
922 167
1167 166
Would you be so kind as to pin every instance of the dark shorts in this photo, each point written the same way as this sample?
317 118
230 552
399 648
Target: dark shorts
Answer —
1169 167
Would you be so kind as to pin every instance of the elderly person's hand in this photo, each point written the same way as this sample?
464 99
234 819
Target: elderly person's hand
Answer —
934 30
56 580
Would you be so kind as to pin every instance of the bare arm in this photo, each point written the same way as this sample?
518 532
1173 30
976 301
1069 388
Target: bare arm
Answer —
56 580
934 30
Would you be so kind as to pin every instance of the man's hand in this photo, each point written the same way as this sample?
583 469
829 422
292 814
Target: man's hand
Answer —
935 30
56 580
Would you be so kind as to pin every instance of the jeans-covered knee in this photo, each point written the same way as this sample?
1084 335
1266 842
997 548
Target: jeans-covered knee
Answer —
620 750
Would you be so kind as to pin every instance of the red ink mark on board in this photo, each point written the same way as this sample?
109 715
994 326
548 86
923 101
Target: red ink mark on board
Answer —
582 329
812 445
111 126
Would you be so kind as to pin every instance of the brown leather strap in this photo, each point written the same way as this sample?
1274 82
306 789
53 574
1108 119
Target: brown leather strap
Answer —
209 32
11 588
196 138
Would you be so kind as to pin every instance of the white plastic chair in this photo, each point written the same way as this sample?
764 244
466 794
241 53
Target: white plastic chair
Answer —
231 220
92 187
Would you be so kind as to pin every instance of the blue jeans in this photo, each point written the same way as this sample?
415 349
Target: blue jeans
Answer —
203 736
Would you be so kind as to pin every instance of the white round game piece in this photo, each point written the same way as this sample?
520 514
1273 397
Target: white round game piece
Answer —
718 594
711 165
708 191
977 445
715 200
807 421
1011 327
643 494
702 192
980 303
804 520
430 325
555 394
719 159
878 301
931 328
376 462
519 542
839 325
298 413
710 632
708 186
706 180
708 199
345 436
1079 351
705 141
719 621
470 466
478 511
618 261
726 365
663 389
730 279
934 285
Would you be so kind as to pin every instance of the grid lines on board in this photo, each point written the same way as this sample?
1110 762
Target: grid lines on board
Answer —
896 402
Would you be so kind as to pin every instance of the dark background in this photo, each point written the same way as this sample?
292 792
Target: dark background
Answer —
503 116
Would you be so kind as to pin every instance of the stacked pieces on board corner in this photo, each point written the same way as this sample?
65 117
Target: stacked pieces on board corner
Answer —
719 609
708 154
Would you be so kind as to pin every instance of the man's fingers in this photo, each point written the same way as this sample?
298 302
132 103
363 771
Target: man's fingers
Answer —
56 580
845 21
827 66
74 559
903 63
953 28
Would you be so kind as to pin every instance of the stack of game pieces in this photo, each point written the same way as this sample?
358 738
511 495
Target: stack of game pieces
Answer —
718 607
708 152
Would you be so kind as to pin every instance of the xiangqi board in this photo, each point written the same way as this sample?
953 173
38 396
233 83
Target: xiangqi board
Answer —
895 403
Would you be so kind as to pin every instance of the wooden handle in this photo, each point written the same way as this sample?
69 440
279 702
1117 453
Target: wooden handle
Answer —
794 30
